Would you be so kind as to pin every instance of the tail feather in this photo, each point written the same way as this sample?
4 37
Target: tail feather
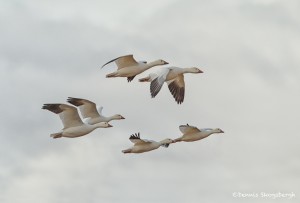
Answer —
110 75
56 135
149 78
126 151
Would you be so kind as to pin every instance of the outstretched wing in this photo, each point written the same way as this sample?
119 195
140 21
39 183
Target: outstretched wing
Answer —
68 114
123 61
99 109
188 129
87 108
158 82
135 138
177 88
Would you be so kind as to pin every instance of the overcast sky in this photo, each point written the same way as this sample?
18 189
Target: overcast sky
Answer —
249 52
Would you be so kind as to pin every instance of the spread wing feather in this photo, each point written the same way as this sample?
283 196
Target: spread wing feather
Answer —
177 88
87 108
68 114
123 61
188 129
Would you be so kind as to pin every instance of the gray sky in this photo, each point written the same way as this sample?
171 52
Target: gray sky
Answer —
248 50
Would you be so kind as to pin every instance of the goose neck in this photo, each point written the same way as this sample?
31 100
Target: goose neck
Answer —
151 64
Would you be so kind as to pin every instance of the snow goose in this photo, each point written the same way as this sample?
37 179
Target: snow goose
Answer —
73 125
129 67
173 76
141 145
192 133
90 112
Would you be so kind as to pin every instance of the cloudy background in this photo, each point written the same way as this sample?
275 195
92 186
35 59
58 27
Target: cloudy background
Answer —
248 50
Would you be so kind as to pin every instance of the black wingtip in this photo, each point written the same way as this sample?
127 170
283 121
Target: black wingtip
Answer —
129 79
177 92
74 101
155 87
114 60
46 106
135 136
53 108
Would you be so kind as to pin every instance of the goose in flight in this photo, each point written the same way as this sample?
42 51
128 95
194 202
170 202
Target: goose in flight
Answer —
141 145
192 133
90 112
129 67
173 76
73 125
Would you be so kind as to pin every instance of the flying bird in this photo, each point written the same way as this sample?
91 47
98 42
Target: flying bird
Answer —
173 76
141 145
90 112
192 133
73 125
129 67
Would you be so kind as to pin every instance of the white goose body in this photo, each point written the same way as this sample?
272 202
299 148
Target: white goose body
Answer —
192 133
173 76
81 130
145 148
90 112
141 145
73 125
129 67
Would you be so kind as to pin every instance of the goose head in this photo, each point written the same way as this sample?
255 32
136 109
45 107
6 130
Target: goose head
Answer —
158 62
218 130
194 70
103 125
162 62
117 117
166 142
